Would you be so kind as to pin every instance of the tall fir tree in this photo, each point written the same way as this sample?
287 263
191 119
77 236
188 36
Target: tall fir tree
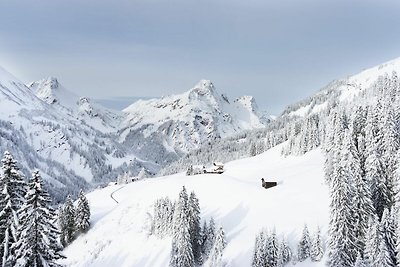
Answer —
284 253
374 167
182 253
218 249
272 249
66 221
38 243
317 249
342 237
210 239
12 197
362 199
304 246
260 253
204 233
195 228
82 214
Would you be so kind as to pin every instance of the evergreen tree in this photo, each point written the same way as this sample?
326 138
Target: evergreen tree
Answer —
195 228
362 198
209 242
272 250
342 242
374 167
218 249
82 215
317 250
66 221
260 253
37 245
11 199
285 254
182 253
303 249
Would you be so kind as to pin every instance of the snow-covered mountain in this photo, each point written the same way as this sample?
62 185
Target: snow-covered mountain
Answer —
72 138
346 89
186 121
66 137
93 114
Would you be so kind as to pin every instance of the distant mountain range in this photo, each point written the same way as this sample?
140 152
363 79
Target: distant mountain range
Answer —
78 143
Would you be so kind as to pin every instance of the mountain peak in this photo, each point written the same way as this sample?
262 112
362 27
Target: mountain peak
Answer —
203 87
51 92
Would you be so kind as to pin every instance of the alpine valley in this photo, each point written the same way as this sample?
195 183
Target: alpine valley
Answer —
189 168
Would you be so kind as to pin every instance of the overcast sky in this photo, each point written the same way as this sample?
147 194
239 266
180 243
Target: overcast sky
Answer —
278 51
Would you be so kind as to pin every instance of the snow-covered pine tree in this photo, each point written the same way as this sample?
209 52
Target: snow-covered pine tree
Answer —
303 248
12 197
157 218
182 253
272 249
167 216
260 255
38 242
210 239
374 167
342 238
66 221
218 249
317 249
284 253
195 228
82 214
163 217
362 198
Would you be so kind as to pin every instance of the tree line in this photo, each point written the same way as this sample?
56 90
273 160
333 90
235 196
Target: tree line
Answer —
29 230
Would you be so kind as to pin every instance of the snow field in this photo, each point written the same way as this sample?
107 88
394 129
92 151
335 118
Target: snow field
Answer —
120 232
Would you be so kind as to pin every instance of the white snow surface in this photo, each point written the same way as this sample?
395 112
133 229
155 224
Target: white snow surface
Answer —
119 235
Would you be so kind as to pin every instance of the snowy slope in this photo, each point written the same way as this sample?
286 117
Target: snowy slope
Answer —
193 118
119 232
346 89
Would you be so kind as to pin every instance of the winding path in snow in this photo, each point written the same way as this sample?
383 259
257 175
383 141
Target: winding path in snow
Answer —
112 194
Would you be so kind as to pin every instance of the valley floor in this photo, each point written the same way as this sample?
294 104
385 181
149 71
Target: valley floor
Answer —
119 235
